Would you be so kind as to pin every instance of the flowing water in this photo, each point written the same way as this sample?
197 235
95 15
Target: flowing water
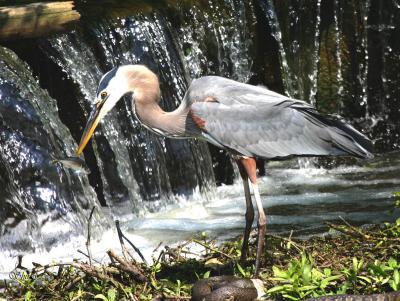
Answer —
342 56
297 201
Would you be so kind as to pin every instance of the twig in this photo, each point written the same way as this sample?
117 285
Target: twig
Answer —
161 255
121 241
87 269
342 230
158 246
122 237
86 255
211 248
128 267
289 240
178 297
19 263
73 282
88 236
91 270
357 230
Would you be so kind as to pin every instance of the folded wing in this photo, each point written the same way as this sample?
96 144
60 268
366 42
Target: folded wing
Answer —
254 121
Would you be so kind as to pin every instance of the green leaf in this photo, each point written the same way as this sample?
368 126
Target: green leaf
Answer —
327 272
291 297
154 283
111 294
28 296
332 278
303 258
366 279
101 296
326 281
241 270
392 263
279 273
307 288
280 279
278 288
307 274
396 276
355 264
97 287
206 275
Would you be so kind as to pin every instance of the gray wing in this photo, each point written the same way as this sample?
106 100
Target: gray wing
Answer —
254 121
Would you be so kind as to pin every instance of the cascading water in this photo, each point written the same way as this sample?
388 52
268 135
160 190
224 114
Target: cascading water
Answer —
37 196
326 51
296 28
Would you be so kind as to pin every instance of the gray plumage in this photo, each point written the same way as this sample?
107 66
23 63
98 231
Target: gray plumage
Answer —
254 121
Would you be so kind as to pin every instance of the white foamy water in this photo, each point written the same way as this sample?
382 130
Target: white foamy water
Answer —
294 199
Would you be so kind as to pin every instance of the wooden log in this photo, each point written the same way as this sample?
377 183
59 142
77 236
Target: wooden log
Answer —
36 19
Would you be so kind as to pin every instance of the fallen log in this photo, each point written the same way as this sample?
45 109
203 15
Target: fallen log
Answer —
36 19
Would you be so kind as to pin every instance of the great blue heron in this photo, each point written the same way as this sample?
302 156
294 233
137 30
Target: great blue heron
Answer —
248 121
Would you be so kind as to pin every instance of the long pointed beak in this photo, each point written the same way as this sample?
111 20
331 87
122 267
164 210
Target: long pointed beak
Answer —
91 124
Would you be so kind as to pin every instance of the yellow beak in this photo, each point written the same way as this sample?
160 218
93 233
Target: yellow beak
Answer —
91 124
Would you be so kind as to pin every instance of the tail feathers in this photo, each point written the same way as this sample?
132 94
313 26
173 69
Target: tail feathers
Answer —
344 138
349 140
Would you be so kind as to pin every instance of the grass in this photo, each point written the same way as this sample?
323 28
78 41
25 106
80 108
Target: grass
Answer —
359 261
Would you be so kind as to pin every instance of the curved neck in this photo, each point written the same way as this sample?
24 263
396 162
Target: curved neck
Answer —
150 114
146 92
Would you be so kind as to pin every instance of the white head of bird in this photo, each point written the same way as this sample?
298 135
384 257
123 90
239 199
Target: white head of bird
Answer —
119 81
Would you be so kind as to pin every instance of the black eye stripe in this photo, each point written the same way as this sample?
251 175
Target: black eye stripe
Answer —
106 80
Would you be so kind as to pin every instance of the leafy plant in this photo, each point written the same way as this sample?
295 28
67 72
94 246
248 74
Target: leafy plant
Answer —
245 272
111 295
302 279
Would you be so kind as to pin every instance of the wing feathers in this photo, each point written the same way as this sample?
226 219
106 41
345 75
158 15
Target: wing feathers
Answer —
278 130
255 121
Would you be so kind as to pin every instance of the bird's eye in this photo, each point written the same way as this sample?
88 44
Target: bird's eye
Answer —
103 95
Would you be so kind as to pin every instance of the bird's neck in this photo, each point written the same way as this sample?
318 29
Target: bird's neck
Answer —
152 116
146 89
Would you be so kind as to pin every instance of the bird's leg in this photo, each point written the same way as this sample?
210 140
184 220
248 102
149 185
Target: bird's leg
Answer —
262 228
249 211
248 165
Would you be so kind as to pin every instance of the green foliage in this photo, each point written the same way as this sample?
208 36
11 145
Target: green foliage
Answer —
397 199
111 295
302 279
206 275
245 272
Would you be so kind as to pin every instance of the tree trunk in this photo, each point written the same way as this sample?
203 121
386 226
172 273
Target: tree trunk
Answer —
36 19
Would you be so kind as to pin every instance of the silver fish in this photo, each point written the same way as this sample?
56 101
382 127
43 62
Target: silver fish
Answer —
74 163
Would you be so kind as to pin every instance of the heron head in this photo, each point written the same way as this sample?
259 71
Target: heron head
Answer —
137 79
112 86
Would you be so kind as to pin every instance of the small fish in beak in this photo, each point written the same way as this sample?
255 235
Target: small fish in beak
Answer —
74 163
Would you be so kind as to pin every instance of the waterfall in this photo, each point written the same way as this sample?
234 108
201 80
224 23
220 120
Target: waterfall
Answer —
342 56
296 28
37 196
273 21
